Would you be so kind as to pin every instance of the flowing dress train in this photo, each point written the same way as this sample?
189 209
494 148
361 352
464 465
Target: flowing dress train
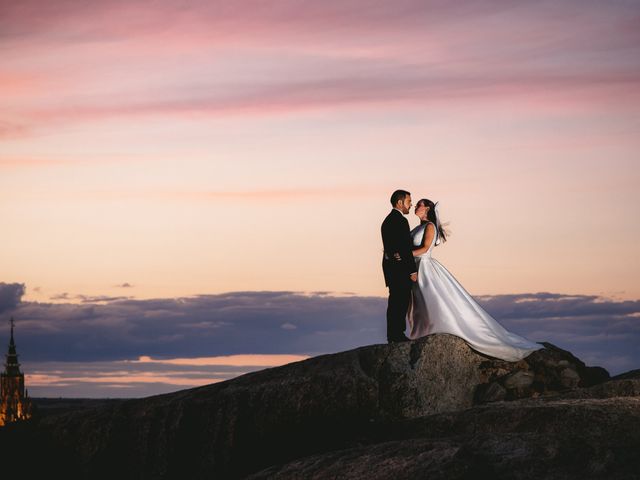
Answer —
441 305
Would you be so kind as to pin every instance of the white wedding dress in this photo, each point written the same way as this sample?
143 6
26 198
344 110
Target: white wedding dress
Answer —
441 305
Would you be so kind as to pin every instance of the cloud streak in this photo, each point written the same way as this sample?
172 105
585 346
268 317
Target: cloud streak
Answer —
229 360
305 56
121 378
69 21
413 91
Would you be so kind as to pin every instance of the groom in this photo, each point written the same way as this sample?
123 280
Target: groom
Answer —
398 265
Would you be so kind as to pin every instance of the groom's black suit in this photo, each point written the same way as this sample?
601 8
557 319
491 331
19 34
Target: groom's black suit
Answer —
396 238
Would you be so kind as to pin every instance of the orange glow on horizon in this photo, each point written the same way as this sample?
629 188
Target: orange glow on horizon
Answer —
247 360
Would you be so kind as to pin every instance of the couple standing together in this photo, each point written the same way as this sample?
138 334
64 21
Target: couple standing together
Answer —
423 292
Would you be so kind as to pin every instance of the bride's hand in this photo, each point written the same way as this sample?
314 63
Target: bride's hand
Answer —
397 257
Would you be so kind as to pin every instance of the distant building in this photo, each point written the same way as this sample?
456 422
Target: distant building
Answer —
15 404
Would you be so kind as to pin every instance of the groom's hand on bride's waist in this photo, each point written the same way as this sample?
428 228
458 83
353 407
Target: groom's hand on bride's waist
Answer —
414 277
395 256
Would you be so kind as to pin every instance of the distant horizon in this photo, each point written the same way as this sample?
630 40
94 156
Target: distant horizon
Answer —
131 348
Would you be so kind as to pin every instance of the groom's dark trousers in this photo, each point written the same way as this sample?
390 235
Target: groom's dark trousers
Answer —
396 239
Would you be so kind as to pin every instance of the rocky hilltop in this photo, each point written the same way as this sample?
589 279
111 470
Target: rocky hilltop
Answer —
429 408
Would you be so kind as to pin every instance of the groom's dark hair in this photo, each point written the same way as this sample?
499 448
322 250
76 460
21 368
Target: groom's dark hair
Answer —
398 195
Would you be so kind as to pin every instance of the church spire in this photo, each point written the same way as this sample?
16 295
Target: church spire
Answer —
14 404
12 343
12 367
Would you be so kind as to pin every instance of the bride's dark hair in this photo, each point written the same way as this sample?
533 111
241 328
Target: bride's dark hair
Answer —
431 216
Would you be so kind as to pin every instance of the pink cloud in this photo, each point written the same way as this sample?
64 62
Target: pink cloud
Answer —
38 162
10 130
16 82
263 195
13 162
117 17
249 58
495 30
614 89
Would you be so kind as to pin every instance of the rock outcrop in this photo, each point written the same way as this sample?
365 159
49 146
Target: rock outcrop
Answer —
360 405
550 438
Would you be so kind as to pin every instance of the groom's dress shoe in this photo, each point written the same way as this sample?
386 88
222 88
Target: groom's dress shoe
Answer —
403 338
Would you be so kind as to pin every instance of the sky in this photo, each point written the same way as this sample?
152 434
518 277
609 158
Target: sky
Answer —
181 181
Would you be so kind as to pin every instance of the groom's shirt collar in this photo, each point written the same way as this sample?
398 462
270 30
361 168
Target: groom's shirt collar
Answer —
397 209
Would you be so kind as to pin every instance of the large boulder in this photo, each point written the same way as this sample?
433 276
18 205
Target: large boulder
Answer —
543 372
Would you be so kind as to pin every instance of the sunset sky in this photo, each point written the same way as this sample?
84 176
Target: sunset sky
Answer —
186 184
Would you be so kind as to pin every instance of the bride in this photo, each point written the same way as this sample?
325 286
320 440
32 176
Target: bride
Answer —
441 305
